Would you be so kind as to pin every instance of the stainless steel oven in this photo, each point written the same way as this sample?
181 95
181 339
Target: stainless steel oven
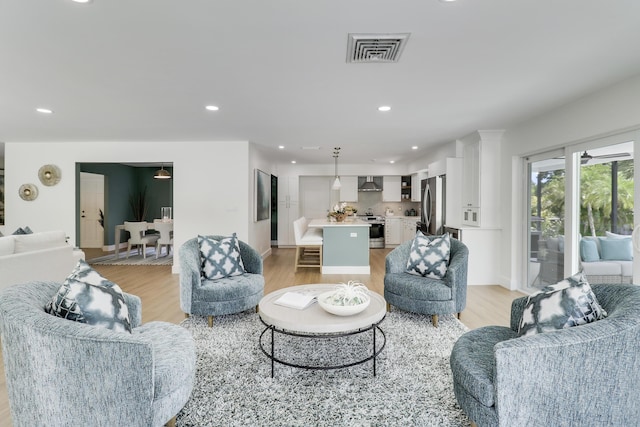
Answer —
376 231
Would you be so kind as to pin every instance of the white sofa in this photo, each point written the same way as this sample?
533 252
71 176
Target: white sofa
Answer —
601 269
38 256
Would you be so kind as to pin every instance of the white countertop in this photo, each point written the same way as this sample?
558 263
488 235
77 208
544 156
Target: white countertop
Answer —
349 222
416 217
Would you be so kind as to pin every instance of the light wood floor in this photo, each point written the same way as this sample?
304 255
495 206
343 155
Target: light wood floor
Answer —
159 291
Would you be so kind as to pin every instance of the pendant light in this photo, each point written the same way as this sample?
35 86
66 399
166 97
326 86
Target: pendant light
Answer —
336 184
162 173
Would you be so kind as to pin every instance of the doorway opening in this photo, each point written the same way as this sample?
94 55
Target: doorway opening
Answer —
129 193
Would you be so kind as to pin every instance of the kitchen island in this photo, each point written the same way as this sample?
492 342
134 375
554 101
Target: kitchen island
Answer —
345 245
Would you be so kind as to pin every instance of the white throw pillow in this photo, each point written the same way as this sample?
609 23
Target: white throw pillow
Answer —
87 297
220 258
429 257
570 302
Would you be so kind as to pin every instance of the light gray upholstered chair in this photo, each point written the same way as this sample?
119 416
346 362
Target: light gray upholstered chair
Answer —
202 297
166 236
138 237
64 373
424 295
584 375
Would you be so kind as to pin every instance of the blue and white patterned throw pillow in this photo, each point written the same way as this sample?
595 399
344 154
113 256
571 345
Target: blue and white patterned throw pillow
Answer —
570 302
429 257
87 297
220 258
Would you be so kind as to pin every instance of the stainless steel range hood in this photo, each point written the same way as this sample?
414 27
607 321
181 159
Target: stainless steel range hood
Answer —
369 185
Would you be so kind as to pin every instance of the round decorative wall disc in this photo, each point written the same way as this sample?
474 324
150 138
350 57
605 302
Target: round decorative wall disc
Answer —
28 192
49 175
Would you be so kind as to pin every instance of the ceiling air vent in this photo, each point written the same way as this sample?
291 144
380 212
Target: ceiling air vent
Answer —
375 47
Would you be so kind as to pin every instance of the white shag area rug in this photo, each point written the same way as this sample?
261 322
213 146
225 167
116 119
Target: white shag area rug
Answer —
413 386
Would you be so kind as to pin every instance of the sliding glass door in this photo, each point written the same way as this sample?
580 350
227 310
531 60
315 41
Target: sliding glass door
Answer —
546 190
580 212
606 213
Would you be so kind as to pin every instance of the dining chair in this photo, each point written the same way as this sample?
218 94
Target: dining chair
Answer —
166 236
137 230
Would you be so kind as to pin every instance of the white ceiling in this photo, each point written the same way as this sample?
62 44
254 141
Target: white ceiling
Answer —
135 70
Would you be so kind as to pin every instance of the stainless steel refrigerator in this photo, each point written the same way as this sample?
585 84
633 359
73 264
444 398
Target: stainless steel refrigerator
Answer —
433 205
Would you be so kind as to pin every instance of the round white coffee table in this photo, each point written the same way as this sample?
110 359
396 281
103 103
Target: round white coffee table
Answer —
315 322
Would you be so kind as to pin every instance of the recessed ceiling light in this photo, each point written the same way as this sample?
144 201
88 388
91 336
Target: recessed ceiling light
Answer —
281 147
44 110
415 147
392 161
212 107
384 108
81 1
293 161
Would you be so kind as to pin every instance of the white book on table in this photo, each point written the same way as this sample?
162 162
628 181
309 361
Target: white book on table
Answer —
296 300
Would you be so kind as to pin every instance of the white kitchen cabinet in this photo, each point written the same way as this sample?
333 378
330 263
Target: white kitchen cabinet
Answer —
416 195
409 228
483 264
481 179
393 231
349 189
288 209
471 216
391 188
471 175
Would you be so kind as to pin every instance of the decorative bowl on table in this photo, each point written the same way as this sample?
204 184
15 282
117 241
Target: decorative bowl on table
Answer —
346 299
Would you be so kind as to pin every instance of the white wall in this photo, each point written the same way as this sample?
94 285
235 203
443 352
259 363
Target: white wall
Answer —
259 231
211 182
2 227
611 110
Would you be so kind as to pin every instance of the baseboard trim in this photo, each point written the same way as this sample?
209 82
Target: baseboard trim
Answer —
346 269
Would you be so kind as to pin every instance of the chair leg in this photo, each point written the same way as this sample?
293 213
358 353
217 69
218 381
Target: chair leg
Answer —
187 315
434 320
210 321
295 268
257 309
473 424
171 422
144 251
388 308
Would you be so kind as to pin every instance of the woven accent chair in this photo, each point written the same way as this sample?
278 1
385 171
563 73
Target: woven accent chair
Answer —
202 297
424 295
583 375
60 372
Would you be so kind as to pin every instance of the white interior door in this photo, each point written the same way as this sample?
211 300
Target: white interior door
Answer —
91 203
315 196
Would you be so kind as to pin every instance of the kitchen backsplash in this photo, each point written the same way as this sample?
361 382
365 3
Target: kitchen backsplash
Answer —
374 201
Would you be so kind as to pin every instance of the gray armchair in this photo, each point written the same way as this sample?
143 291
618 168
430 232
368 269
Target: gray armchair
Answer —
202 297
584 375
61 372
422 294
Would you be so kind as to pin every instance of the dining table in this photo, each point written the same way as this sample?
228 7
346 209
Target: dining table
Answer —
120 228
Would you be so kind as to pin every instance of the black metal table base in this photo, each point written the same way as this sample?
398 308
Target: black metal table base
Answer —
375 328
